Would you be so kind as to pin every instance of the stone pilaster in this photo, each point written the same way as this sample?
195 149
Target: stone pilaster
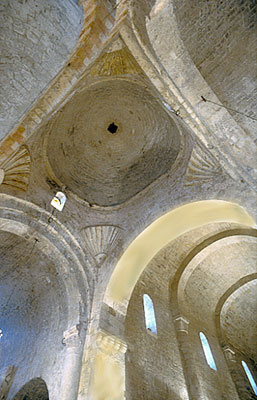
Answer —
236 372
230 355
108 379
72 364
187 359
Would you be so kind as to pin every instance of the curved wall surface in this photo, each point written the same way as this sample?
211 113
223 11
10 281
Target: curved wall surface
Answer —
35 40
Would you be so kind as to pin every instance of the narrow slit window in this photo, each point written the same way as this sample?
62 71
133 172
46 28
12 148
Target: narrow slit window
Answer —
250 377
207 352
150 321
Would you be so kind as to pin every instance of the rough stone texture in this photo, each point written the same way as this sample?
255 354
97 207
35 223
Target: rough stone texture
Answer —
205 269
113 166
32 325
153 365
35 39
200 281
151 356
221 39
241 336
230 137
34 390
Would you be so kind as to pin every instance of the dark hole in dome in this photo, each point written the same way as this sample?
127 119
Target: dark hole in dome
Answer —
112 128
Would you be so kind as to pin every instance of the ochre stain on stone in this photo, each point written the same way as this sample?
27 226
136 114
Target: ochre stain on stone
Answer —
119 62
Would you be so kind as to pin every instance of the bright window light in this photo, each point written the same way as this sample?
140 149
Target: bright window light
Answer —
207 352
250 377
58 201
150 321
1 333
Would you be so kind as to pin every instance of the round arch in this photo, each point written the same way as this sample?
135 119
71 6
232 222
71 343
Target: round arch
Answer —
31 223
240 284
157 235
35 389
136 258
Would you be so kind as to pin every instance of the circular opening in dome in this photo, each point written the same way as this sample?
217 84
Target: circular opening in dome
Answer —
112 128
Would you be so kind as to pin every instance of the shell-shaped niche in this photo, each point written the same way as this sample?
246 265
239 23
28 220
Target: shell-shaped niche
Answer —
15 171
203 166
119 61
100 240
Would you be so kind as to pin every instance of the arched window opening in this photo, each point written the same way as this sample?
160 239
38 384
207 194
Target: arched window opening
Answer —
150 321
250 377
207 352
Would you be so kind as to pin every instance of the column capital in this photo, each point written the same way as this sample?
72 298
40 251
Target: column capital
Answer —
229 354
110 345
71 337
181 324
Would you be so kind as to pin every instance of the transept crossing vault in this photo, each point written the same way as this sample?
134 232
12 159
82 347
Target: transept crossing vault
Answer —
142 114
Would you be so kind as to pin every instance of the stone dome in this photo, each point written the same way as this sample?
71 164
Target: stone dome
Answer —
110 141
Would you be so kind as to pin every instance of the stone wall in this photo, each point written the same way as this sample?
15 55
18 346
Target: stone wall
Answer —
220 36
153 366
33 315
175 355
35 39
233 139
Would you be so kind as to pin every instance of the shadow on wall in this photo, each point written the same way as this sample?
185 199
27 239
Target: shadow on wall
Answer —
35 389
151 386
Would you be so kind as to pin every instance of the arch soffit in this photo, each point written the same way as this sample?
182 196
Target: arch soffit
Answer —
165 229
190 109
217 314
30 222
209 248
230 233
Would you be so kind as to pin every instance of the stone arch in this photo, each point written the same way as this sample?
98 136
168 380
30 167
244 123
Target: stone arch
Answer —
134 261
161 232
237 285
228 50
207 267
52 301
176 64
243 231
35 389
31 222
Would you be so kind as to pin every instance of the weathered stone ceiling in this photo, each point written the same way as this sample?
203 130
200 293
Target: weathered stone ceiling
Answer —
36 39
238 319
108 168
212 272
32 301
221 39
